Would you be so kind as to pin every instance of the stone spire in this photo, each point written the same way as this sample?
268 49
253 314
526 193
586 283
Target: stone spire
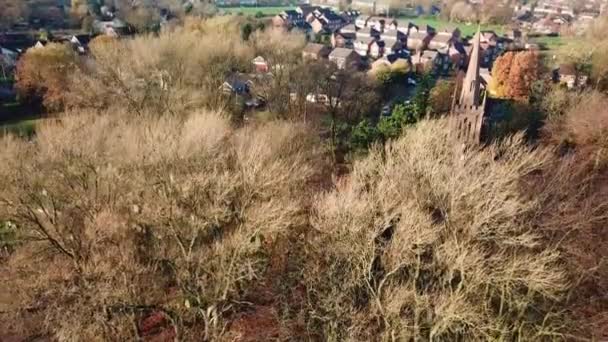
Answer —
471 84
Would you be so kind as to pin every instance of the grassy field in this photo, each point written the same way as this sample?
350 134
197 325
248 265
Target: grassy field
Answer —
20 128
266 11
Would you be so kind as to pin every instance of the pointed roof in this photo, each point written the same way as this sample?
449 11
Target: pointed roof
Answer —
471 95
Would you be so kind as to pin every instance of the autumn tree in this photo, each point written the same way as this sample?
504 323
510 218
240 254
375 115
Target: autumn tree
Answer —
43 74
514 74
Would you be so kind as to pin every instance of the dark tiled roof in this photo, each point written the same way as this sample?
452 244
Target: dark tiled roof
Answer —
341 53
314 48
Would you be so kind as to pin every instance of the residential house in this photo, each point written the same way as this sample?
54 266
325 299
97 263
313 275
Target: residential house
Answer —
345 58
392 47
429 60
367 32
396 24
324 19
377 23
313 51
333 21
588 15
287 19
305 29
339 39
546 26
8 61
305 10
363 45
350 28
443 61
40 44
376 49
547 8
457 55
237 84
568 75
318 25
361 21
491 47
77 45
425 61
391 34
405 27
441 41
418 41
513 34
425 29
350 16
112 28
452 31
260 64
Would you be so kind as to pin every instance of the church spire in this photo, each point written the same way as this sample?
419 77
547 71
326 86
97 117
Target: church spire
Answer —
471 85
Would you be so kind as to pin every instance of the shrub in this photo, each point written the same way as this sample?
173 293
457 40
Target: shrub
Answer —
134 220
424 241
175 73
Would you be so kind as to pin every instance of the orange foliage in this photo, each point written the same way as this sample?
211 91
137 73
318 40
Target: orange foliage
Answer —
43 73
514 73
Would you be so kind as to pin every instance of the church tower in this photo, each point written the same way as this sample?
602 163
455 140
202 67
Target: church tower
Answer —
469 109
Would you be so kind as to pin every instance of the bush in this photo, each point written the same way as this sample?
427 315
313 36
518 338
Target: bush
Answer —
136 217
425 242
175 73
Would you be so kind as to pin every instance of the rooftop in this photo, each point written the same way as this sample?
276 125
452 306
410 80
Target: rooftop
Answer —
341 53
314 48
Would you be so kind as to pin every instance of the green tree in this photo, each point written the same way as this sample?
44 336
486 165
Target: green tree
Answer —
246 31
363 135
403 115
421 98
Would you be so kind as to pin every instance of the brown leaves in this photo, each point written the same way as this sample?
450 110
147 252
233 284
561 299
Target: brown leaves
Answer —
44 73
514 73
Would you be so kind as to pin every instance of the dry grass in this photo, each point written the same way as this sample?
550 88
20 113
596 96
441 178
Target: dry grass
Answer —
583 124
128 217
423 242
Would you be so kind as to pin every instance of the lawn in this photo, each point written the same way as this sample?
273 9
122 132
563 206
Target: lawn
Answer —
266 11
19 128
553 42
465 29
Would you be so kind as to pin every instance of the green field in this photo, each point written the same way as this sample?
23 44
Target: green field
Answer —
553 43
266 11
19 128
465 29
